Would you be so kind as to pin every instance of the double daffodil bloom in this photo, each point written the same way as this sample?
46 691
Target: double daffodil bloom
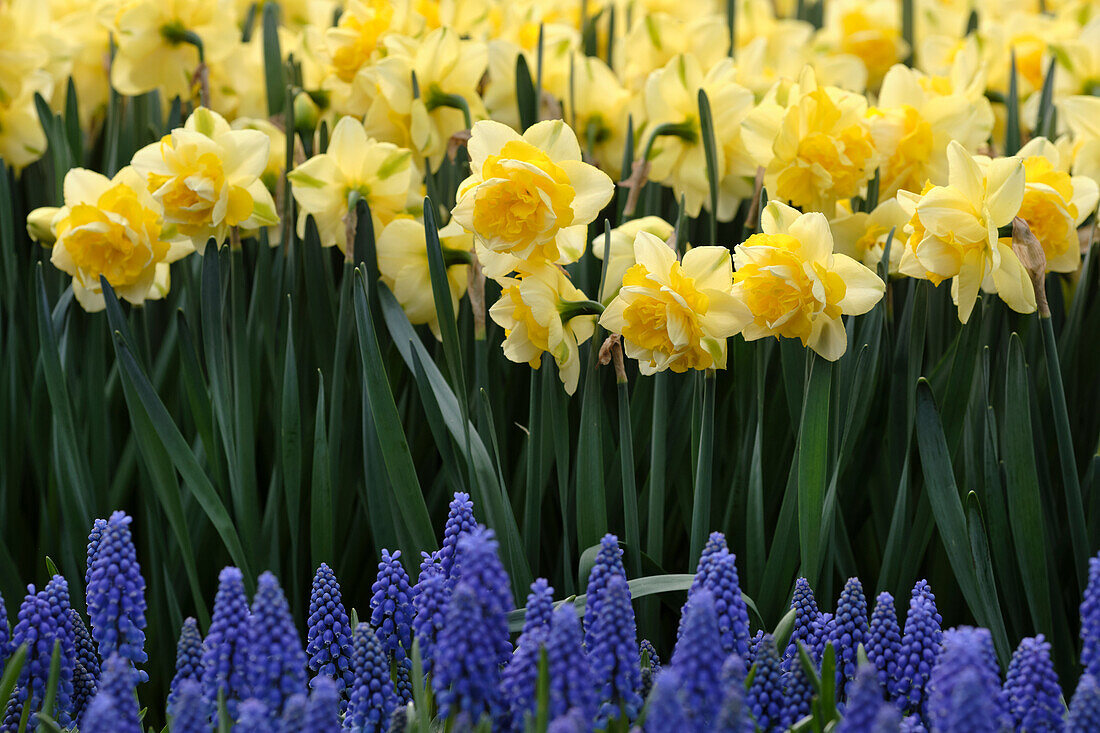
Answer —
354 165
818 149
1055 204
795 285
206 177
530 196
540 311
110 227
676 314
862 235
952 231
403 265
916 117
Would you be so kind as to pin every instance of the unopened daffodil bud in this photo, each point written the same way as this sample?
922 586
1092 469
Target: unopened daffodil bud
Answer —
40 224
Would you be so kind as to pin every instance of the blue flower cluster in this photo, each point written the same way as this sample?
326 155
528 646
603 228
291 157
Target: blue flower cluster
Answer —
867 669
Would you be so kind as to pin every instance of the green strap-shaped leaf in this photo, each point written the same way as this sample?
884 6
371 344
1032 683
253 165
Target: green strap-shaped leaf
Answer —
813 464
391 435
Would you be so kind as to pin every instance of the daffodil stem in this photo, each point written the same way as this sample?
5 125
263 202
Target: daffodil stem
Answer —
1070 480
452 257
682 130
576 308
630 489
437 98
655 517
704 470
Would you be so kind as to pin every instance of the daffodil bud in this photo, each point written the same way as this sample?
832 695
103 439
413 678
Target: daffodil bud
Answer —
306 114
40 225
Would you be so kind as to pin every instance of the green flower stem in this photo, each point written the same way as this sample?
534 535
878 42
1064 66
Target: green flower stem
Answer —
438 98
704 470
682 130
572 309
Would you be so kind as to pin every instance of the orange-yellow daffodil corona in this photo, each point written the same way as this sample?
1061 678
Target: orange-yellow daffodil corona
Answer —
111 228
540 311
952 231
206 176
676 314
530 196
796 286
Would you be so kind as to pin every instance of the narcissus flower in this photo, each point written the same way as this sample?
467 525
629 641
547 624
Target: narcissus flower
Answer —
916 116
1055 204
1082 116
530 196
403 264
112 227
676 314
206 176
355 165
155 48
818 149
795 286
540 311
952 231
678 156
870 31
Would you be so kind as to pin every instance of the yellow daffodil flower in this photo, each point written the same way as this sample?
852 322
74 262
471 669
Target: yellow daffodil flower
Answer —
113 228
862 235
447 70
354 165
206 176
916 117
153 48
1055 204
676 315
795 285
869 30
403 264
599 107
540 311
678 157
621 249
530 196
818 149
952 231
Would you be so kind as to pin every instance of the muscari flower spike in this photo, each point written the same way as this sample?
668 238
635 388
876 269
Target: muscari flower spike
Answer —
609 561
391 606
94 538
884 641
540 606
372 698
805 612
571 681
1084 709
429 602
460 519
477 563
86 668
188 658
42 623
322 713
1031 688
824 626
800 691
188 709
646 651
328 635
920 645
5 633
466 678
613 651
964 689
717 572
520 676
114 709
276 660
850 631
766 696
225 649
698 656
116 595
